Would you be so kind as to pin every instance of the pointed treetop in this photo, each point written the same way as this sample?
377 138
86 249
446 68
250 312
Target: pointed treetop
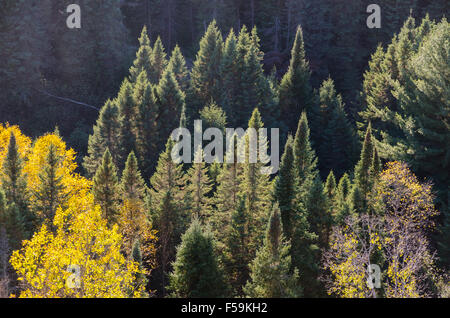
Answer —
144 39
255 121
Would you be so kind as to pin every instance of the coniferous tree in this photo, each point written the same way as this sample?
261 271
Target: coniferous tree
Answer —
171 102
255 185
177 64
213 117
141 281
158 61
204 74
50 194
270 271
336 142
133 219
330 186
198 188
285 188
106 187
146 124
105 135
196 269
127 114
296 94
236 250
168 215
341 206
143 57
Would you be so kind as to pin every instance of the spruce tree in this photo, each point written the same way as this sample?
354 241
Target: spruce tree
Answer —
336 146
285 188
213 117
171 102
105 135
143 57
330 186
51 191
196 271
168 215
199 187
146 124
205 72
236 249
140 278
127 115
317 206
158 61
255 185
177 64
106 188
296 94
342 205
270 271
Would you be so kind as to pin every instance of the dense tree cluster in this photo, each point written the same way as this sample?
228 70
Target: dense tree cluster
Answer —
362 177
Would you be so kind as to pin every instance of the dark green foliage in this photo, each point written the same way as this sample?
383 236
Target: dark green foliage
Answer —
336 142
196 272
270 271
305 161
127 113
330 186
285 188
158 62
296 95
143 57
132 185
341 204
105 188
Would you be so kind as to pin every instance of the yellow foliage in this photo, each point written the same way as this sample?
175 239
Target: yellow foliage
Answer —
83 240
23 142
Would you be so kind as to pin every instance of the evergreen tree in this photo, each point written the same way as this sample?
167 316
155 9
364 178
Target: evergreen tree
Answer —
140 281
105 188
342 207
158 62
105 135
146 124
171 102
168 215
270 271
204 74
177 64
196 270
236 250
143 57
213 117
336 142
127 114
198 188
255 185
285 188
50 194
296 94
330 186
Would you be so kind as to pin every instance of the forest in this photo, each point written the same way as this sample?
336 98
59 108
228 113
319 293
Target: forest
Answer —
94 203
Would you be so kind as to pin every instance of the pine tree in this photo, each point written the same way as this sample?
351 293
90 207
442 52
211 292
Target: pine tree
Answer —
140 282
229 75
317 206
143 57
105 135
127 114
158 62
196 270
204 74
270 271
106 188
285 188
213 117
296 94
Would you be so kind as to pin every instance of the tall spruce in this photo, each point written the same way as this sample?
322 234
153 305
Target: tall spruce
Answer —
106 188
296 94
143 57
105 135
127 114
158 61
270 271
